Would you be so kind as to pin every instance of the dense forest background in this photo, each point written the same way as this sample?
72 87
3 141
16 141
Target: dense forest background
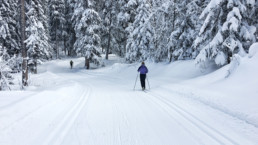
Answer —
209 31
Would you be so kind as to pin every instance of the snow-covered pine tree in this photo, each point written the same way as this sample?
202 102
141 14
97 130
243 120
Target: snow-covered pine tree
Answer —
225 31
37 41
125 18
254 18
57 21
185 29
157 3
11 41
5 75
87 25
23 47
4 31
45 19
69 38
109 13
248 26
195 9
140 44
161 20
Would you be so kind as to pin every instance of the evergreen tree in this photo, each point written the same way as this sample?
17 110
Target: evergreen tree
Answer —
37 41
157 3
5 69
162 20
254 18
109 31
125 18
4 31
23 47
140 44
87 27
44 18
225 31
10 39
57 21
185 29
69 37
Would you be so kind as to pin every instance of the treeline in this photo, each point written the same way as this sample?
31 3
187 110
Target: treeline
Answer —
155 30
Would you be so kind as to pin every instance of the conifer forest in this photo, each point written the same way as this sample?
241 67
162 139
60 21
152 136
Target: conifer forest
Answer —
128 72
207 31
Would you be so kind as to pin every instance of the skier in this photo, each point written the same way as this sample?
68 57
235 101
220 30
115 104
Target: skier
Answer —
143 70
71 64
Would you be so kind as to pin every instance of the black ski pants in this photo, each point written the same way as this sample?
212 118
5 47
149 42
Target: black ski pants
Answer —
142 78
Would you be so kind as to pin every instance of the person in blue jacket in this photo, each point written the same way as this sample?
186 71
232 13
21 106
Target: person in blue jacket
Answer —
143 70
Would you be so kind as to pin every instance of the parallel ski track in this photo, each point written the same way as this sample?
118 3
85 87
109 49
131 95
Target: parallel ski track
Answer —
214 106
28 114
214 134
123 122
57 135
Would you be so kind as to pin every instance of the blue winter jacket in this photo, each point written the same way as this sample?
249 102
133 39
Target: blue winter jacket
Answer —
143 69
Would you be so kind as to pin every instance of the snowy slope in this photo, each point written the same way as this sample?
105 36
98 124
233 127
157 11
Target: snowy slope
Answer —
184 105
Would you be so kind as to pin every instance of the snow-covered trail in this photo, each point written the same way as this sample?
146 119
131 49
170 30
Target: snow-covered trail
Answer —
99 107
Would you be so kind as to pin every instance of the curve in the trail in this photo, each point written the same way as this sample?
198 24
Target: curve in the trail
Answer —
203 132
102 108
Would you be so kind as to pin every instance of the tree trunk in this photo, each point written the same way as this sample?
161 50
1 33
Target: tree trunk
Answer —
65 48
124 47
24 51
57 52
229 57
109 36
107 51
87 63
0 81
173 28
35 65
170 58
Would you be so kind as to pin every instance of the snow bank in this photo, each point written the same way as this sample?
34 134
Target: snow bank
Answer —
253 50
231 89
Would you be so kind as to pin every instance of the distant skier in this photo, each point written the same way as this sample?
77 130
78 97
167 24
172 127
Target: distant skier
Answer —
143 70
71 64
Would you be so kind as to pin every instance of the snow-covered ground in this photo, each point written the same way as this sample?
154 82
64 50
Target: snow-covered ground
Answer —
184 105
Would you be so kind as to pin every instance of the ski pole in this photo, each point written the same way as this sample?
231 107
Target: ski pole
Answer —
135 82
148 81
